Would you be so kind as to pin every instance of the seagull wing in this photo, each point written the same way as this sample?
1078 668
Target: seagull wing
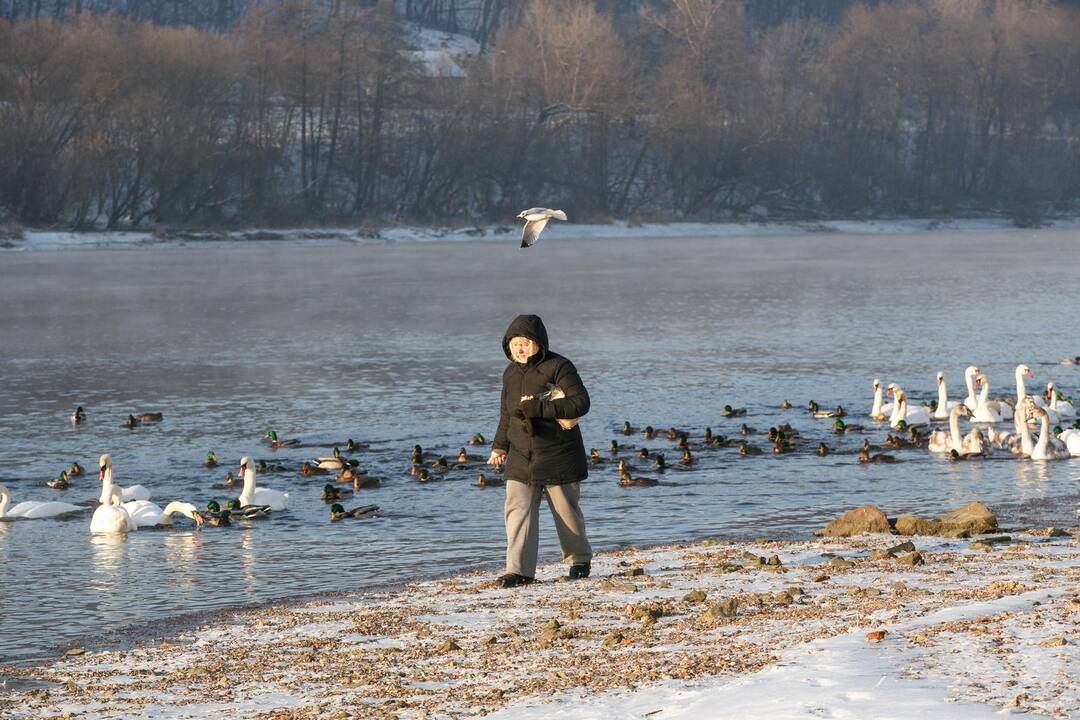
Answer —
531 232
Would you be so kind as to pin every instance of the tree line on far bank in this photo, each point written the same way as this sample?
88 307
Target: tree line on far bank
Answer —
309 112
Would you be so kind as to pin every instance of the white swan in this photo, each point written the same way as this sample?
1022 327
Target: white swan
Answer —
1062 407
969 380
942 441
147 514
1071 438
112 518
984 409
878 411
121 494
33 509
1047 448
902 413
256 495
944 405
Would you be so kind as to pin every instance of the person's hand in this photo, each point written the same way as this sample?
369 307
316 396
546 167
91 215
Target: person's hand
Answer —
531 408
496 458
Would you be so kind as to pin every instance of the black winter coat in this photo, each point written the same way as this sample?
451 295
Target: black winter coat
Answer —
551 455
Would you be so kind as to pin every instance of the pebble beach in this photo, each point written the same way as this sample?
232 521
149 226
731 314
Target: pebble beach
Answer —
871 625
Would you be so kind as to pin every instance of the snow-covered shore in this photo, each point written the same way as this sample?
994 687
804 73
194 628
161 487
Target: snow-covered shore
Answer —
712 630
37 240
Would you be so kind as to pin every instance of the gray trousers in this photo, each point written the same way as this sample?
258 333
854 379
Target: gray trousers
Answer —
522 514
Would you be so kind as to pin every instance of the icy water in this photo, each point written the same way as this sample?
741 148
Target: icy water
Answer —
399 345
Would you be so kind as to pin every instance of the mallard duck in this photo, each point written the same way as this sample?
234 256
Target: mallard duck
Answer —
477 439
627 429
840 427
865 457
229 479
733 412
626 480
464 457
60 483
151 417
745 429
333 494
707 437
643 453
440 465
614 448
785 405
365 482
623 466
78 416
484 481
594 457
822 449
75 470
648 433
335 461
215 516
338 512
683 443
211 459
839 411
422 475
673 433
747 449
659 463
130 422
308 469
276 443
249 512
265 467
687 458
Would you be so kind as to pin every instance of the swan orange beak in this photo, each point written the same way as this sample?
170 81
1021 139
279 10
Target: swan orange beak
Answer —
1028 373
101 475
198 518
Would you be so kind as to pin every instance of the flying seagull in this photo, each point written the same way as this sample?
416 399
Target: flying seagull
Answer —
535 221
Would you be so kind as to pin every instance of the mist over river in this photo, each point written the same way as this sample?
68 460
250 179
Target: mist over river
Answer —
399 345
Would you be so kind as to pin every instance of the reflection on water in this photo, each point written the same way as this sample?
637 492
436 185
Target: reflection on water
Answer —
400 345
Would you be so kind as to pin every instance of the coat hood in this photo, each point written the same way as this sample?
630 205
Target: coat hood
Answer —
530 326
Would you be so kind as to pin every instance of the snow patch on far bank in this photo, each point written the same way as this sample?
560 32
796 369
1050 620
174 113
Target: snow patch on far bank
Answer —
35 240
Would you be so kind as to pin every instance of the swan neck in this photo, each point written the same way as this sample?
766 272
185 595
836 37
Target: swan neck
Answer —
249 481
107 488
5 500
942 396
954 427
1021 391
876 410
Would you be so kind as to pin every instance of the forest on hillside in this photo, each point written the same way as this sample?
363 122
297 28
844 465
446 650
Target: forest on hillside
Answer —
123 113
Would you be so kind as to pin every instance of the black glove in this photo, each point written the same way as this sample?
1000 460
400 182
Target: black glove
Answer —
526 422
531 408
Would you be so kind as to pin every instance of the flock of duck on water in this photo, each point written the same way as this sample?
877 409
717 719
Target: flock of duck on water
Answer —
934 427
918 427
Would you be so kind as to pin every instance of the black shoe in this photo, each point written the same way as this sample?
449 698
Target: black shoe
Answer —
579 571
510 580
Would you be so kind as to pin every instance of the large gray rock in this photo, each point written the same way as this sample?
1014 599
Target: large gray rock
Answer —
974 517
865 519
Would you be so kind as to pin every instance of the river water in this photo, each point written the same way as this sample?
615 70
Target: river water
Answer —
399 345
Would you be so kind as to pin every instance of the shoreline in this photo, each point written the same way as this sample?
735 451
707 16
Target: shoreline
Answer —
638 631
49 240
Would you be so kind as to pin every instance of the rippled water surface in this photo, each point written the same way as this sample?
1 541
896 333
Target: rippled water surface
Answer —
399 345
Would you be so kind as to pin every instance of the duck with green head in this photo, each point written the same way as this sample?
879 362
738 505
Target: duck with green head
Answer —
733 411
75 470
594 457
648 433
822 449
215 516
276 442
60 483
333 494
422 475
211 459
785 405
627 429
130 422
478 439
866 457
338 512
614 447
